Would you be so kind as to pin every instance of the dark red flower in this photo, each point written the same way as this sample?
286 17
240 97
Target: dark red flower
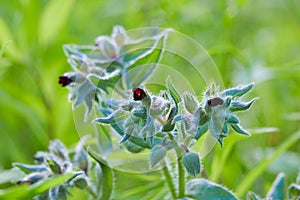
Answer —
215 101
65 80
138 94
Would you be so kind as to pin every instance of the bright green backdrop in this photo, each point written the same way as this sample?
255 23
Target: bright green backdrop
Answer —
249 41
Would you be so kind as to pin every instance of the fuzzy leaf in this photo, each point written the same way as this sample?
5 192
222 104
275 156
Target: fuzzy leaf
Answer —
30 168
200 189
173 92
239 129
144 57
277 189
114 117
216 122
191 163
240 106
57 148
238 91
201 130
190 102
157 154
133 148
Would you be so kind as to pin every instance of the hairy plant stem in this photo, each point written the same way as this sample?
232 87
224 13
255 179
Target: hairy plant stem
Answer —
181 178
169 181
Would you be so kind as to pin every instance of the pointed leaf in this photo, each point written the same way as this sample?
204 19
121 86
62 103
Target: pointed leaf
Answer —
240 106
239 129
157 154
173 92
277 189
238 91
200 189
190 102
30 168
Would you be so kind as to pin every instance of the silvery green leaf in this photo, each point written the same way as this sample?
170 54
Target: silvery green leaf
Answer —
232 119
201 130
169 126
239 129
143 57
81 157
216 121
41 157
133 148
30 168
33 177
190 102
252 196
238 91
191 163
57 148
82 92
240 106
173 92
277 189
114 117
108 47
80 181
119 35
125 138
199 118
159 106
225 129
54 165
157 153
201 189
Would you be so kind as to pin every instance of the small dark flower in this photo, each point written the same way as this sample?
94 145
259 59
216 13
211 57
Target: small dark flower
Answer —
65 80
138 94
215 101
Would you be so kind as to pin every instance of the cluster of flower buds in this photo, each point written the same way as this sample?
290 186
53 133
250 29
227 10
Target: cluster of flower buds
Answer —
58 162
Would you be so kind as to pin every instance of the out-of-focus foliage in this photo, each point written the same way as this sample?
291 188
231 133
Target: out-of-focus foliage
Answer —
249 41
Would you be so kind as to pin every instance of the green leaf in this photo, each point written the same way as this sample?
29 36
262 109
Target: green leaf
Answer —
133 148
53 19
29 191
157 153
190 102
238 91
252 196
277 189
173 92
140 67
200 189
10 176
106 176
114 117
30 168
240 106
57 148
239 129
191 163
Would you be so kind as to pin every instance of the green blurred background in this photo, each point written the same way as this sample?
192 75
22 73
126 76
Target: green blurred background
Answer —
248 40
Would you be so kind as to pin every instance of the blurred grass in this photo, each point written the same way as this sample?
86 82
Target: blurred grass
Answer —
249 41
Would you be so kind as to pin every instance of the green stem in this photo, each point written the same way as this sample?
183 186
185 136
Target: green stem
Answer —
181 178
169 181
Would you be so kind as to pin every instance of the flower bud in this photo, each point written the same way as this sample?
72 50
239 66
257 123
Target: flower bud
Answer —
191 162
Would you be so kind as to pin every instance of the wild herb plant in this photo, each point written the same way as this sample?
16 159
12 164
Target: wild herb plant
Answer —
167 125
